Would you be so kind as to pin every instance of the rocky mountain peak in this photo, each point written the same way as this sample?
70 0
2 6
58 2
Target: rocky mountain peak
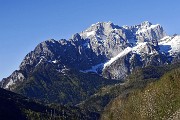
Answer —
146 24
147 32
99 29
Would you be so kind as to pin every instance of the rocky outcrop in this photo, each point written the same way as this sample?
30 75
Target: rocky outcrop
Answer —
10 82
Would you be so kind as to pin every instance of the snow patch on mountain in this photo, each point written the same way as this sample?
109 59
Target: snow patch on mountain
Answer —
138 48
91 33
54 61
121 54
170 45
94 69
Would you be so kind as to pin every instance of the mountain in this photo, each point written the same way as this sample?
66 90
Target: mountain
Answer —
70 71
17 107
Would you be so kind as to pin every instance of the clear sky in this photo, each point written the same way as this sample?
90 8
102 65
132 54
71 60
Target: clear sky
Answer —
25 23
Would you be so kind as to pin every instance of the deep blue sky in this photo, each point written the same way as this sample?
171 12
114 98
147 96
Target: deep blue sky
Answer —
25 23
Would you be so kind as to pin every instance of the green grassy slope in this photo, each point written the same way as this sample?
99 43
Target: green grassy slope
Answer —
49 85
158 100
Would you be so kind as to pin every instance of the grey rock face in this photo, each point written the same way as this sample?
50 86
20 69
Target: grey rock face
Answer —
146 32
117 70
89 50
105 38
10 82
